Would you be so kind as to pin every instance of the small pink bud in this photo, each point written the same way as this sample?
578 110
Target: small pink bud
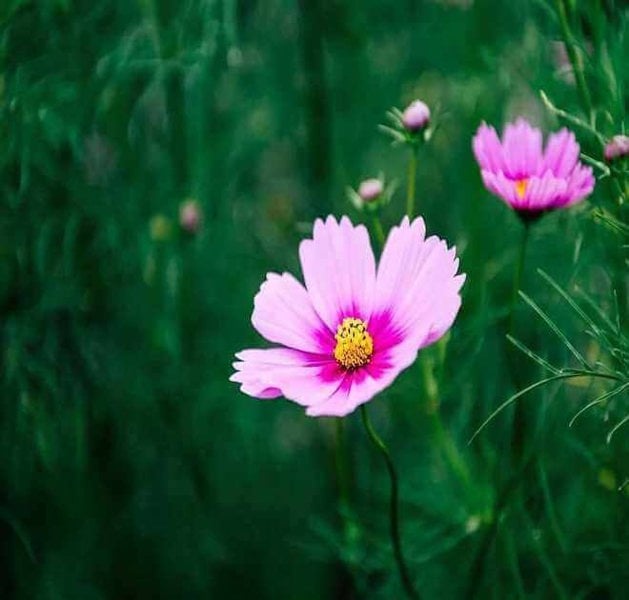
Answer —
416 116
617 147
370 189
190 216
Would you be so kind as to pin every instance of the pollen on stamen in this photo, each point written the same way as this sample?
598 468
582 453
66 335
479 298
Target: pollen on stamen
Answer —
354 345
520 187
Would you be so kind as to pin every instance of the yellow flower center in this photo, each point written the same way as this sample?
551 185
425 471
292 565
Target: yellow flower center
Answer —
520 187
354 345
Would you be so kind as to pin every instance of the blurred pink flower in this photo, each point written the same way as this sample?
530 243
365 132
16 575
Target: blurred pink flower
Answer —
370 189
528 179
190 216
353 328
617 147
416 115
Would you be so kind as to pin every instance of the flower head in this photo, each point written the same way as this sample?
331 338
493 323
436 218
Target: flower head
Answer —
527 178
190 216
370 189
617 147
416 115
349 332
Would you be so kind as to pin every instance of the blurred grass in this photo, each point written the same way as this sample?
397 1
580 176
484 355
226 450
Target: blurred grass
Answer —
130 467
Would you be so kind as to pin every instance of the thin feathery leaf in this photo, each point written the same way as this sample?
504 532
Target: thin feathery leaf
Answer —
612 222
602 315
553 326
392 132
584 316
601 166
534 386
538 359
599 400
571 118
616 428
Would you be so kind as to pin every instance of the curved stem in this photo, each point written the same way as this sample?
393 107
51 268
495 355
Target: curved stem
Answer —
410 185
393 507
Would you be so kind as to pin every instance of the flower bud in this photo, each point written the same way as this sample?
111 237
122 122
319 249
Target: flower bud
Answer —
416 116
190 216
617 147
370 189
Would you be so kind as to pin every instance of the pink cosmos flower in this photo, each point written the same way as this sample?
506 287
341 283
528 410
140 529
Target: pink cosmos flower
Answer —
353 328
190 216
530 180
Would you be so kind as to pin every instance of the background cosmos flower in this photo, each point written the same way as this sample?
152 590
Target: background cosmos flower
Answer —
416 115
370 189
617 147
528 179
353 328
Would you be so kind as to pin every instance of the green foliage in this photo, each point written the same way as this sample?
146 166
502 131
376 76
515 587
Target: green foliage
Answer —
131 468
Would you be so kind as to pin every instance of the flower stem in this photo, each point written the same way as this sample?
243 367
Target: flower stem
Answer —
443 438
393 507
340 460
378 230
410 189
517 276
575 59
351 530
519 425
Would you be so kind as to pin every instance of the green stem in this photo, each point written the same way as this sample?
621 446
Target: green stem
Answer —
450 450
517 276
340 460
442 437
378 231
519 418
502 501
394 523
575 59
350 527
410 189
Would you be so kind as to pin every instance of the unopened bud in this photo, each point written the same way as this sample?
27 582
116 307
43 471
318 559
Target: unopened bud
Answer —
190 216
617 147
416 116
370 189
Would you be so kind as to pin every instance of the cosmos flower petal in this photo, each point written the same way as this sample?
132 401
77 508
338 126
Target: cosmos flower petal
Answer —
363 385
417 290
502 187
562 153
283 314
522 149
302 377
580 184
543 192
488 149
339 270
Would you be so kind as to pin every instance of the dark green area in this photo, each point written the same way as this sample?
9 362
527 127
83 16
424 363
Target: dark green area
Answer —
129 466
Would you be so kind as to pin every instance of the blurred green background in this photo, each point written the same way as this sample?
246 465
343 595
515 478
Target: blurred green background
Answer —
129 466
